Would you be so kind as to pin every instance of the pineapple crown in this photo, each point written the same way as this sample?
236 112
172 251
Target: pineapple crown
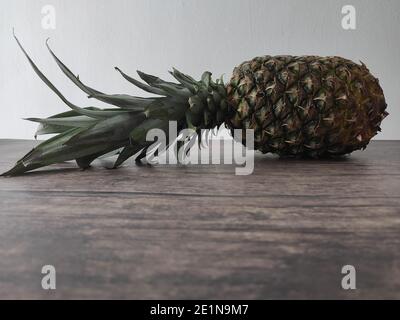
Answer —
85 134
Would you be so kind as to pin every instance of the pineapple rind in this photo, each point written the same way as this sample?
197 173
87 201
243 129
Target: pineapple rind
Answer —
306 105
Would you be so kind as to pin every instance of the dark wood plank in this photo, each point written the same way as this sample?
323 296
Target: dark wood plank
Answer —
200 231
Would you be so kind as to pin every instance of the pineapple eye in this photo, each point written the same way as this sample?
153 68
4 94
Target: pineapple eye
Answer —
252 97
263 116
243 107
316 66
357 85
343 73
329 81
260 76
280 109
270 64
241 88
270 88
255 65
235 81
308 84
294 67
246 68
271 130
320 99
283 77
292 96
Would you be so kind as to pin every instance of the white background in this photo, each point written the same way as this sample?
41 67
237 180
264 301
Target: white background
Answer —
93 36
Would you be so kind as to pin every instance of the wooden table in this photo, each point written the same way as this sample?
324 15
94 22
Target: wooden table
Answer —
176 232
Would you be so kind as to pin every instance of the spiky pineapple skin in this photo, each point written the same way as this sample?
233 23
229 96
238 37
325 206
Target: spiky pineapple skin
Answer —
306 105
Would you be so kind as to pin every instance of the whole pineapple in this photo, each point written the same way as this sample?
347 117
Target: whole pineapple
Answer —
297 106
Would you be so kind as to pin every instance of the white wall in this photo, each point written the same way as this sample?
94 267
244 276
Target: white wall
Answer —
93 36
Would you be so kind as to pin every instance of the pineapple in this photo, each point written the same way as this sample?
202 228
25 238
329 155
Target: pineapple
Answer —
305 106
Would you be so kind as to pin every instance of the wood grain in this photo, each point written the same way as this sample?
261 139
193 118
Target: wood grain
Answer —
185 232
